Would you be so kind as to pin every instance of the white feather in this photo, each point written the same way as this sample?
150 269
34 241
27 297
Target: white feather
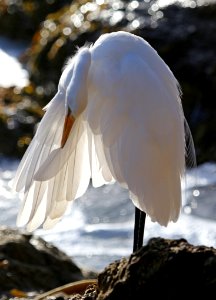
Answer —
47 139
58 157
129 128
100 172
50 223
79 165
48 198
141 123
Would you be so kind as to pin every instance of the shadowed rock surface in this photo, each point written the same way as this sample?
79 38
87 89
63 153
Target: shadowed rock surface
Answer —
28 263
163 268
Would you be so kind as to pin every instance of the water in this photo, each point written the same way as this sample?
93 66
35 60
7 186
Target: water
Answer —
12 72
99 226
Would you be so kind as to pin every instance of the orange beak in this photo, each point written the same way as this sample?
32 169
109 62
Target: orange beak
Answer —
69 120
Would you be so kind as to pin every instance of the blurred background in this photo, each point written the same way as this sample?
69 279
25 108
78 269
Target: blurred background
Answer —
36 38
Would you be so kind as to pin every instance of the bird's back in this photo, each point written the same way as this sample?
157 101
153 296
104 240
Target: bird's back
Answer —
134 105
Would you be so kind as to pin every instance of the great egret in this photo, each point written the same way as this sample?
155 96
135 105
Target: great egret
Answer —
117 116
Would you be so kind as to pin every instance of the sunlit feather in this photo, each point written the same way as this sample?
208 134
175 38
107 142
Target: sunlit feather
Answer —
129 127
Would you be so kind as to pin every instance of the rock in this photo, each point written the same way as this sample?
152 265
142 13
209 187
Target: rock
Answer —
20 19
20 111
28 263
164 268
83 289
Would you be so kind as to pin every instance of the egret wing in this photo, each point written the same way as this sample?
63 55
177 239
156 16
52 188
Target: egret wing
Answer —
141 123
46 139
45 201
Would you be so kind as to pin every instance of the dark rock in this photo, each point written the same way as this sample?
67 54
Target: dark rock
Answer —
28 263
162 268
20 110
177 32
21 18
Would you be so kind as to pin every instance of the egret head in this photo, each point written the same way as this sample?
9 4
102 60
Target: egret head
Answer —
74 82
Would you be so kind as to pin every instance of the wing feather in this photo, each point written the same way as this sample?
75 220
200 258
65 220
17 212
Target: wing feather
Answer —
129 128
141 123
46 201
38 211
79 164
101 158
47 139
50 223
100 172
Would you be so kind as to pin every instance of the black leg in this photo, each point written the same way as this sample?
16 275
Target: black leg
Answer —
139 228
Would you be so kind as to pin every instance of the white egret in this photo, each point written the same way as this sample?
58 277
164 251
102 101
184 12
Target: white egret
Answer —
116 117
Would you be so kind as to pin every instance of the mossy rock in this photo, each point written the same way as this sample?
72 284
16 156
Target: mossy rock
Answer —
20 111
177 33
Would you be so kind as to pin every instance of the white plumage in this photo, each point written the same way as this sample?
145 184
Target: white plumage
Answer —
128 126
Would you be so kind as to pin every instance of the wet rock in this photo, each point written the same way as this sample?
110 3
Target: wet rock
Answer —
28 263
162 268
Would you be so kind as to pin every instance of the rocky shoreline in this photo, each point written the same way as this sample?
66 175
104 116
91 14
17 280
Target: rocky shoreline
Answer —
31 265
31 268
